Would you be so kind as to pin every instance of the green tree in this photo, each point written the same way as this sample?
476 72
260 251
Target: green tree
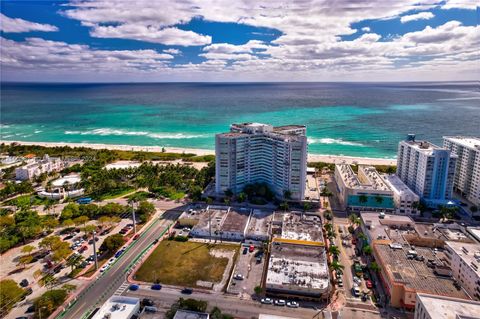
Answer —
68 223
241 197
81 220
28 249
50 223
49 302
10 294
337 267
328 215
328 227
75 261
363 199
258 290
287 194
379 199
145 210
50 242
113 242
228 193
367 250
374 267
334 250
24 260
72 210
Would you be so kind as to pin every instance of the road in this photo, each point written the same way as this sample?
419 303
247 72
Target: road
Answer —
228 304
101 289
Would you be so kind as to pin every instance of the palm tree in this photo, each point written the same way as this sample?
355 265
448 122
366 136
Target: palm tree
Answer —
334 250
337 267
328 227
363 199
379 199
367 250
353 219
374 267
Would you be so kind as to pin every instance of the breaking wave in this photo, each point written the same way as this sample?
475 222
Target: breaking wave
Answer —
333 141
119 132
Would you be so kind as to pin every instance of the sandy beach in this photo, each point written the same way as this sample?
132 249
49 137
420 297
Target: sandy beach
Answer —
311 157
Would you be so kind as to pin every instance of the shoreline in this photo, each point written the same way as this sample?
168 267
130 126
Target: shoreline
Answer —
333 159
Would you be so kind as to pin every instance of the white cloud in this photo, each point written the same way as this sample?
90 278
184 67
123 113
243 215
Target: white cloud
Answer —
167 36
309 46
461 4
417 16
173 51
16 25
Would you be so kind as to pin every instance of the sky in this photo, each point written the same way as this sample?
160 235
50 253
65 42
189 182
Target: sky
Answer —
236 40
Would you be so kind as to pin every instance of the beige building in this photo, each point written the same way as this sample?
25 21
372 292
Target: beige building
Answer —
467 174
439 307
464 260
45 165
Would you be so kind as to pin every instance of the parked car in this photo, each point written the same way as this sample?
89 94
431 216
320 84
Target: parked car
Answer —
245 250
133 287
30 309
156 287
356 291
279 302
24 283
150 309
148 302
155 241
111 260
239 277
364 297
28 291
187 291
266 301
136 236
369 284
292 304
340 282
104 268
118 253
251 248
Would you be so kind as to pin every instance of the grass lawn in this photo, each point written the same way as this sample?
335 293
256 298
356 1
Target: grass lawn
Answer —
183 263
116 193
26 200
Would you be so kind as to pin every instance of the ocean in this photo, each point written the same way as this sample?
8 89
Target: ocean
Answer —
352 119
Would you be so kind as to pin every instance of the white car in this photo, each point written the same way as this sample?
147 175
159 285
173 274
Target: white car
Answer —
111 261
280 302
292 304
267 301
104 268
357 280
239 277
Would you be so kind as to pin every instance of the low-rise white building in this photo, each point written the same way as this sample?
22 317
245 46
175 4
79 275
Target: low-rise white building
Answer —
363 191
442 307
118 307
404 198
45 165
464 260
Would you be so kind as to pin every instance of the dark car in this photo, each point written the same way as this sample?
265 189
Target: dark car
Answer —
245 250
186 291
148 302
155 241
133 287
22 317
24 283
68 237
28 291
30 309
156 287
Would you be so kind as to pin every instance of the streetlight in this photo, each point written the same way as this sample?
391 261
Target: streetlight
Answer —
95 251
133 218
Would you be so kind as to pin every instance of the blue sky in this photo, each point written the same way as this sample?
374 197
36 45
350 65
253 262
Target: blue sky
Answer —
106 40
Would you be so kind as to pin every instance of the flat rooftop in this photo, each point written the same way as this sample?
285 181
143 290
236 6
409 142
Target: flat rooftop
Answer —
299 266
216 214
236 220
443 232
475 232
259 223
298 226
416 274
118 307
424 146
389 227
469 253
367 178
373 178
440 307
470 142
398 186
187 314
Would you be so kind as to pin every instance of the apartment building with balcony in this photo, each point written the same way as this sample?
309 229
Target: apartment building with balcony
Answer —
467 174
427 169
255 153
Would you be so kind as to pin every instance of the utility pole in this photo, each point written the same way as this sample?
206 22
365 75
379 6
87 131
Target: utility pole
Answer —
95 251
134 222
210 223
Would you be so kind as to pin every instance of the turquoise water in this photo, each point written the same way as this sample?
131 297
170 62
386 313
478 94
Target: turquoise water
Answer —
342 119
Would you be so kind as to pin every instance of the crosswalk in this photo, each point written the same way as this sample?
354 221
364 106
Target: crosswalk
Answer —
121 289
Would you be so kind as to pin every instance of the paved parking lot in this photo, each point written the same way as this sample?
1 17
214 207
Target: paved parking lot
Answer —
250 269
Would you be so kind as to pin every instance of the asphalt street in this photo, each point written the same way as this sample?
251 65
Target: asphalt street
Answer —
101 289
